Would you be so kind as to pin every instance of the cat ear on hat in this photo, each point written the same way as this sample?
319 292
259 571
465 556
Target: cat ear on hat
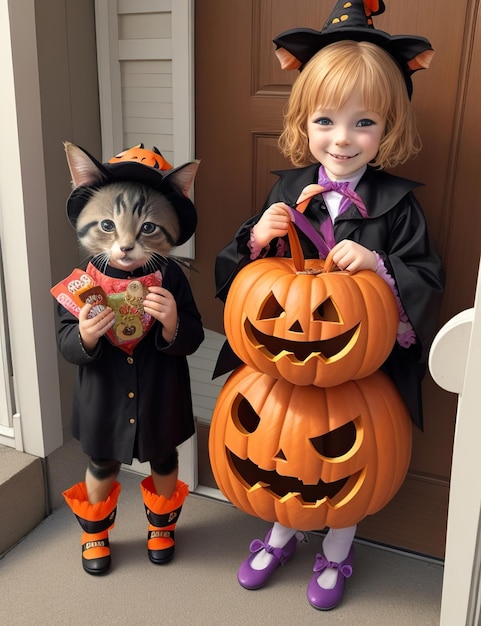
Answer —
287 60
421 61
183 176
84 168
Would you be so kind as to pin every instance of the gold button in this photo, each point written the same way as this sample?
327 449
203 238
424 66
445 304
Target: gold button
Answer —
131 394
132 421
130 360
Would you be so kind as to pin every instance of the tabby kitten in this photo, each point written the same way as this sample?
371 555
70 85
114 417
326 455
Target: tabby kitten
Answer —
126 224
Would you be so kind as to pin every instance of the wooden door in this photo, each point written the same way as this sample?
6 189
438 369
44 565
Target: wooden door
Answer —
240 95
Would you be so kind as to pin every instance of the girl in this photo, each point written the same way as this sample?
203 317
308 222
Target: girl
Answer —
347 119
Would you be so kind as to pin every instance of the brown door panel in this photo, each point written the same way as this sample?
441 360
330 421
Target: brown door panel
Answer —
240 95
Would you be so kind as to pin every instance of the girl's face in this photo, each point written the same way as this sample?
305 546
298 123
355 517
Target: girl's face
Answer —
346 139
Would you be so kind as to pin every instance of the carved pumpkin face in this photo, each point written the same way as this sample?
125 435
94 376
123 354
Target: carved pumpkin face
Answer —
311 327
152 158
309 457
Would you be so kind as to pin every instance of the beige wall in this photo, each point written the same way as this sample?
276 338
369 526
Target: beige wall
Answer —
70 111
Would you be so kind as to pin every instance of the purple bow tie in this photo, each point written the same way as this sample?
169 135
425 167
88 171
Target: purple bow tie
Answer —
350 196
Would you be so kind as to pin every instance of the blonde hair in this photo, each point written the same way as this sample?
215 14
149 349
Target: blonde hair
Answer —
330 78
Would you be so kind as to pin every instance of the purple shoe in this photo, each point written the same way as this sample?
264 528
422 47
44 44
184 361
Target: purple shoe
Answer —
326 599
250 578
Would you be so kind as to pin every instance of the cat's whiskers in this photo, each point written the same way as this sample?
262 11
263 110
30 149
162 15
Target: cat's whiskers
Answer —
101 261
155 262
147 267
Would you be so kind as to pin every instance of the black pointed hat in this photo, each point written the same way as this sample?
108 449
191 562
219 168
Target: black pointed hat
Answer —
353 20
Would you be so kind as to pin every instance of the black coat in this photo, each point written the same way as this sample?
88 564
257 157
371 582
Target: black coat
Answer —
118 398
396 230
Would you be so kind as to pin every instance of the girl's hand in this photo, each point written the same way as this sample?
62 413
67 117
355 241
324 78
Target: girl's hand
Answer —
351 256
91 329
273 223
160 304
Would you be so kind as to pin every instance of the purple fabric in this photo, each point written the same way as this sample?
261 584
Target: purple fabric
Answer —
304 225
350 196
322 563
281 554
405 335
325 240
308 229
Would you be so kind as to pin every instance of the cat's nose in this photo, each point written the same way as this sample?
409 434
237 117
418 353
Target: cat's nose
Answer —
126 248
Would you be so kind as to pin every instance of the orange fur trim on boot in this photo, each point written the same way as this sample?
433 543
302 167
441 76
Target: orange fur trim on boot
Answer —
162 514
96 520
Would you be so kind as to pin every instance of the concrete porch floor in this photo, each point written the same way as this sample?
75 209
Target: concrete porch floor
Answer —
43 581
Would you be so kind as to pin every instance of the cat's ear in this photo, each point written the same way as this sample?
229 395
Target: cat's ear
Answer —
183 176
84 169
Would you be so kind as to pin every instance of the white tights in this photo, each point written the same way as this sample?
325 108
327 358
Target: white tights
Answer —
336 546
280 535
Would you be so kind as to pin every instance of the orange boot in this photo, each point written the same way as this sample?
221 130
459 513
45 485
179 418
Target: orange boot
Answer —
96 520
162 514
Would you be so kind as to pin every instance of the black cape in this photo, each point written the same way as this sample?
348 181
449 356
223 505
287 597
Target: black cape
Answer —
140 405
396 230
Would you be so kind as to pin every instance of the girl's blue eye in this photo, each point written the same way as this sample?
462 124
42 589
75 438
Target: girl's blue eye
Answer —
323 121
365 122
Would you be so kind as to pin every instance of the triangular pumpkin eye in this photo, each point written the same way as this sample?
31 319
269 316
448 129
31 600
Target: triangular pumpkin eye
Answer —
326 312
337 442
271 309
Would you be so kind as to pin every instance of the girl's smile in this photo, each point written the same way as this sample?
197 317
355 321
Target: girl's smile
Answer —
341 157
346 139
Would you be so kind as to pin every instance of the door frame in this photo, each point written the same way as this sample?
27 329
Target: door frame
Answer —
461 600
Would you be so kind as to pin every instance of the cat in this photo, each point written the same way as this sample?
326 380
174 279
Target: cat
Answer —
125 223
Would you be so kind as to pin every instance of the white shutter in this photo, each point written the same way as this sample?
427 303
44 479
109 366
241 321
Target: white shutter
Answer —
145 64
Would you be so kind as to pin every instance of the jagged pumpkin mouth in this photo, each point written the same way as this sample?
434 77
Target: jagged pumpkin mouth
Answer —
282 486
276 348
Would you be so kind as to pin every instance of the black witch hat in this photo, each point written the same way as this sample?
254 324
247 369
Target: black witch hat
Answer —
353 20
